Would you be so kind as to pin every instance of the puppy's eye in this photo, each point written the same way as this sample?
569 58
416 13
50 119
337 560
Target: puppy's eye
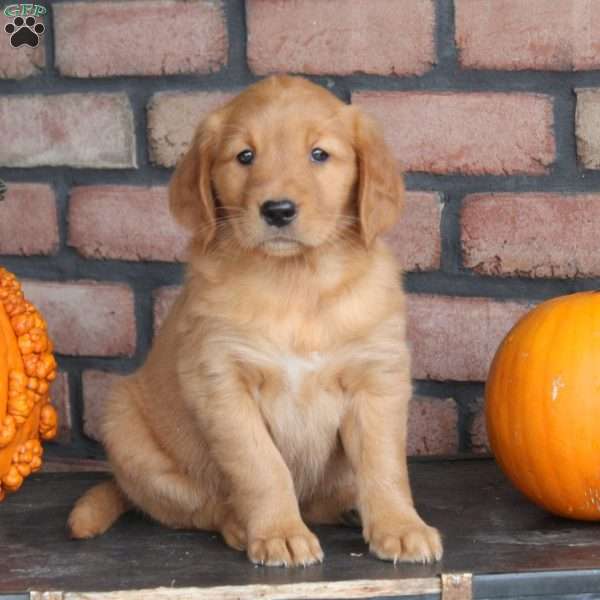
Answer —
245 157
319 155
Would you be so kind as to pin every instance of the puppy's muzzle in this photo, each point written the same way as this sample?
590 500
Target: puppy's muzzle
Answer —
278 213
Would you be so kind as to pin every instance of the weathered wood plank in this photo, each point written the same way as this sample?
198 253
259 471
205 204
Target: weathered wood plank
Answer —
487 527
350 590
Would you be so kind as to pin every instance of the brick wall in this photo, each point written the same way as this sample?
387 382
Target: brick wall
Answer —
492 108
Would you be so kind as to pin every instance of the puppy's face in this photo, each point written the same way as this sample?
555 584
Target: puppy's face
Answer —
284 171
286 167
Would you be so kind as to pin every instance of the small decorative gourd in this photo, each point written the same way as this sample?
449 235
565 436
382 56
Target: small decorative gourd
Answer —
27 367
543 405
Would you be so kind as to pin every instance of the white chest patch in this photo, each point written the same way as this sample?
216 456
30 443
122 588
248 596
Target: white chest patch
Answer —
304 417
297 368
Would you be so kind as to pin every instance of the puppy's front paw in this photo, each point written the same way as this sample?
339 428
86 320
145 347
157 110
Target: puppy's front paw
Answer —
286 546
406 542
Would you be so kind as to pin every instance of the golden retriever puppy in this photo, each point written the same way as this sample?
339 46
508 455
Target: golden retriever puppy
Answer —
277 389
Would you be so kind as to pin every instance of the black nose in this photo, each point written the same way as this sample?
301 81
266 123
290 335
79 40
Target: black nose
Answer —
278 213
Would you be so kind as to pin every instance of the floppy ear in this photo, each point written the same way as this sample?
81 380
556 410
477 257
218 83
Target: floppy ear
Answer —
380 192
191 197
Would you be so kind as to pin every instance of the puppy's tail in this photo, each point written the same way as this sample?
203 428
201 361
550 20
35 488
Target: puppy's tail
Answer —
97 510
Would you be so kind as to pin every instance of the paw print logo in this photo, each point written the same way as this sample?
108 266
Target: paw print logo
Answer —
24 31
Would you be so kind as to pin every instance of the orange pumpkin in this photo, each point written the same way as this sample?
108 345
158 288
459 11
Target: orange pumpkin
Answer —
27 367
543 405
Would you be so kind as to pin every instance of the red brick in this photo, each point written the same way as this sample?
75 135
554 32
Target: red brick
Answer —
86 318
470 133
432 426
61 399
145 229
172 120
163 300
532 235
21 62
480 443
28 220
416 238
331 37
587 127
555 35
164 37
455 339
77 130
96 386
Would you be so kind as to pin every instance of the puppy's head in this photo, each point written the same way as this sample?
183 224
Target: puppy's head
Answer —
286 167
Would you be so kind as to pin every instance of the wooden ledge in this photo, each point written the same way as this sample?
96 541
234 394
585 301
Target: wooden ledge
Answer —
497 545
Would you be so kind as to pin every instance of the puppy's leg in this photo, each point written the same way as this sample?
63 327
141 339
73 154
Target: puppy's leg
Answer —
146 477
149 477
374 436
262 490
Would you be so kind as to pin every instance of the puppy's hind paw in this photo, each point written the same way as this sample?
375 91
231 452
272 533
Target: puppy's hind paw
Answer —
234 534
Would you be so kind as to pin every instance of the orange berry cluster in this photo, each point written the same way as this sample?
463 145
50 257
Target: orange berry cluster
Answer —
27 387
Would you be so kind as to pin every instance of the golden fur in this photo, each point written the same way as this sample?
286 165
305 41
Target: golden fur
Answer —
277 389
